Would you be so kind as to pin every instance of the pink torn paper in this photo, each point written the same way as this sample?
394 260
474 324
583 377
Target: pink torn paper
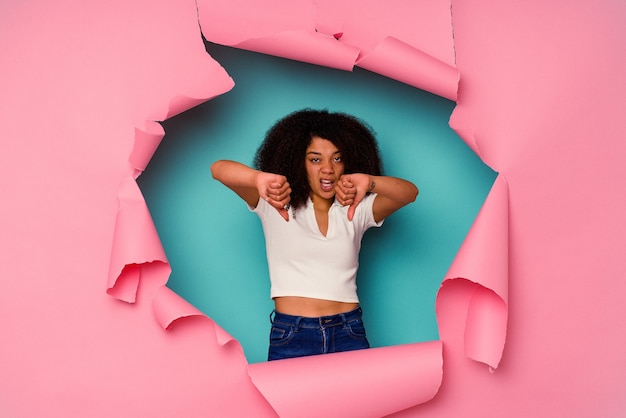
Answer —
293 36
483 260
147 141
135 243
181 102
307 46
364 383
169 307
344 34
396 59
547 103
275 28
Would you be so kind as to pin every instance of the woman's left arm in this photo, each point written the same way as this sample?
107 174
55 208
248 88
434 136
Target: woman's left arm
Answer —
392 193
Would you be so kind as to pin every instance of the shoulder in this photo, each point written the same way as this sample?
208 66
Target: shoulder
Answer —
364 213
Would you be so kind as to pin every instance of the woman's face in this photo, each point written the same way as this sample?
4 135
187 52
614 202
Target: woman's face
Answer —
324 167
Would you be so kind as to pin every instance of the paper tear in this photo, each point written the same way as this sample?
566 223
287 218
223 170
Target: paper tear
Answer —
400 61
135 242
168 307
146 143
386 379
319 35
311 47
486 327
483 260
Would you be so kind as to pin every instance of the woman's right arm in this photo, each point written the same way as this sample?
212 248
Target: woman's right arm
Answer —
251 184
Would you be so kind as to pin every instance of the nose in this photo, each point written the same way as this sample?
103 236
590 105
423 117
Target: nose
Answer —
327 167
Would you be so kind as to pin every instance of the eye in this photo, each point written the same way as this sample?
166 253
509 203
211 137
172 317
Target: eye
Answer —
338 159
315 160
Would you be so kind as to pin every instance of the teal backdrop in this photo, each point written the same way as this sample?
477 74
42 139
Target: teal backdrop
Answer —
215 245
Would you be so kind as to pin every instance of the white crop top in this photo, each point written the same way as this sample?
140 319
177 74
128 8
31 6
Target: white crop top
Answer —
303 262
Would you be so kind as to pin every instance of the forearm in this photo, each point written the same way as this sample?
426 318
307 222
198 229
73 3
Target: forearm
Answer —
393 188
234 174
238 177
251 184
392 193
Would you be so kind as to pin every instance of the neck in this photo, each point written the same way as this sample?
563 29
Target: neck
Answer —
321 204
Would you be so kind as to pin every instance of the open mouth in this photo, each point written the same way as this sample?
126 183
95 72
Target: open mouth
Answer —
327 185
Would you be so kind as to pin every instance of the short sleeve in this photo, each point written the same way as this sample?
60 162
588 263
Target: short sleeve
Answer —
260 209
364 213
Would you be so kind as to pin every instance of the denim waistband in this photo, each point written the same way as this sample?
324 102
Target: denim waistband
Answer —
316 322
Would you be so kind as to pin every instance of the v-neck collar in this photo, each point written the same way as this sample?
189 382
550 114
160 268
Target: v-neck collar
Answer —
313 219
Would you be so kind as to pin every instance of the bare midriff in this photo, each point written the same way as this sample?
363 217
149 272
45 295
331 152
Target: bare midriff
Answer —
301 306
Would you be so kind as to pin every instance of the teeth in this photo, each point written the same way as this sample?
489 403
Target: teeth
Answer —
327 185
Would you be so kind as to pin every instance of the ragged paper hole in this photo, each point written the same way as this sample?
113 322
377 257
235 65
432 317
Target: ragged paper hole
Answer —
215 246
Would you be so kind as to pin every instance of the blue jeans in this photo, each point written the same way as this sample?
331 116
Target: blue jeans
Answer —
298 336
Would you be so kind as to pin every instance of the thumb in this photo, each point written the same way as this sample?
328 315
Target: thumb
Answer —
284 213
351 211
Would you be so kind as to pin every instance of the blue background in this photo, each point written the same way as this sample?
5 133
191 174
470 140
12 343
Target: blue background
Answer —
215 245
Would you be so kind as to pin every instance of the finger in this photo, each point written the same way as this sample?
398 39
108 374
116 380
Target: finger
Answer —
345 198
275 187
346 185
345 189
339 192
279 194
284 195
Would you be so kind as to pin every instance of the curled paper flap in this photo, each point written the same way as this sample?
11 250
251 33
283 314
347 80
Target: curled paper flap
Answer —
126 284
484 255
396 59
135 242
386 379
147 141
168 307
307 46
483 260
485 331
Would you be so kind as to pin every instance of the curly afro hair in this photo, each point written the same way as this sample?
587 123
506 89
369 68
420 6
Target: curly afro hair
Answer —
284 147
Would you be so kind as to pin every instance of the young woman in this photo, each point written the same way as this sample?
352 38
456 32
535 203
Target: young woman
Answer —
317 186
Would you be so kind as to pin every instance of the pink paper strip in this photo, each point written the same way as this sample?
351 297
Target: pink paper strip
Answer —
485 332
400 61
147 141
135 242
364 383
312 47
483 260
169 307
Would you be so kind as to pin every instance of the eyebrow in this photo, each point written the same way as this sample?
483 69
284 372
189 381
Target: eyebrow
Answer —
319 153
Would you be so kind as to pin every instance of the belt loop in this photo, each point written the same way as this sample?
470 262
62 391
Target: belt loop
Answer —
344 320
272 315
297 323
